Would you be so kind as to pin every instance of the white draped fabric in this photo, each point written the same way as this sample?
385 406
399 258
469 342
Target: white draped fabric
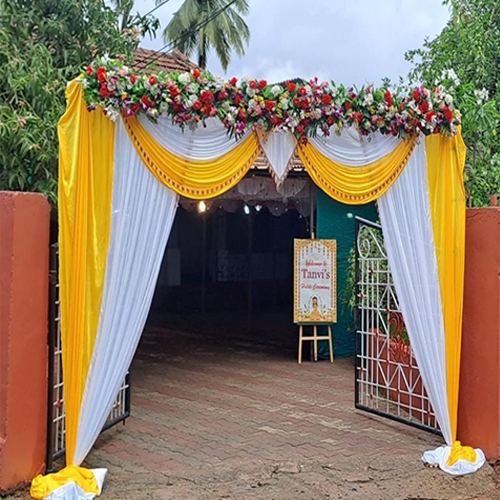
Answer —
279 146
143 211
205 142
351 148
408 236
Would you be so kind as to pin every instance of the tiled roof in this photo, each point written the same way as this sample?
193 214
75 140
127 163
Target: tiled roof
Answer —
145 59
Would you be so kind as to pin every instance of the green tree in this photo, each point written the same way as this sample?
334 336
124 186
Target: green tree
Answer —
225 30
43 45
466 55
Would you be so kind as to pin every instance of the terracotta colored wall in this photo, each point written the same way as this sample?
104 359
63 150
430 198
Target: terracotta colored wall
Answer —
24 271
479 404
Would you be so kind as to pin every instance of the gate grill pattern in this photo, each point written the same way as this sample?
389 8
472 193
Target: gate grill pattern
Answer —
56 436
388 380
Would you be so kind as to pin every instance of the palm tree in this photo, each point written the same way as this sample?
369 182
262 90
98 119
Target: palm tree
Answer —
223 29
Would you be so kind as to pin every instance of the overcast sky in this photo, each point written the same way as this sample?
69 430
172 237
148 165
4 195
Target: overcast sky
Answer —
348 41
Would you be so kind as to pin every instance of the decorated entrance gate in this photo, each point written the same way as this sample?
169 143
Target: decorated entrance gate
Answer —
388 381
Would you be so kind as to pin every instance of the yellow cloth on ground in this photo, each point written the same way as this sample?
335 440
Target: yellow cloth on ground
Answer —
42 486
459 452
355 185
196 179
445 165
86 150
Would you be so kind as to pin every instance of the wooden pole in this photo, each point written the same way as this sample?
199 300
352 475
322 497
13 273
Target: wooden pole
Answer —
204 264
250 251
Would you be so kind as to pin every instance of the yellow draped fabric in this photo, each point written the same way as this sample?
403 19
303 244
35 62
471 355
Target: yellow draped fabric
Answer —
42 486
355 185
195 179
445 164
86 149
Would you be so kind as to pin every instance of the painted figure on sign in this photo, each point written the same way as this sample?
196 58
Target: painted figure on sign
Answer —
315 314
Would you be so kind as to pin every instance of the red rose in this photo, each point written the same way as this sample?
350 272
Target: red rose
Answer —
416 95
222 95
424 107
290 86
233 81
252 84
89 71
206 96
262 84
347 105
302 91
241 114
270 105
196 74
296 101
145 100
304 104
237 99
101 75
174 91
329 121
133 79
388 98
429 115
300 129
197 105
207 109
152 80
104 92
327 99
448 114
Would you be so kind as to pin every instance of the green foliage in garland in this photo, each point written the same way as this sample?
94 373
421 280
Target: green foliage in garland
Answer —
43 44
467 54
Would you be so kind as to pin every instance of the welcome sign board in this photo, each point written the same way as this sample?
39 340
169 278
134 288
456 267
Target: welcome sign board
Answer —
315 295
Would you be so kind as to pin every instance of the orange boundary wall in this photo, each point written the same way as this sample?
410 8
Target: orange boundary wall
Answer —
479 403
24 288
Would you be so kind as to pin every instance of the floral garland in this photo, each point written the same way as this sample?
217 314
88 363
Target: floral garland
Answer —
301 107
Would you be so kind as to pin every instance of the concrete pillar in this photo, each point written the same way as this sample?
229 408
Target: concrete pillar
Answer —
24 287
479 403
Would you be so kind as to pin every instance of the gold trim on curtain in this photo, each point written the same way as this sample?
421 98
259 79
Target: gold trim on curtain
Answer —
195 179
355 185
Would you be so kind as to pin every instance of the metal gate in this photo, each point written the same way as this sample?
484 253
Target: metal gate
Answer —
56 431
388 381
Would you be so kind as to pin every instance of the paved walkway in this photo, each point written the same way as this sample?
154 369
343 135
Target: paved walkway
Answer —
228 418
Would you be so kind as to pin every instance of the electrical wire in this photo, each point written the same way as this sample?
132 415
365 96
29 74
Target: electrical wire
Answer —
156 8
176 42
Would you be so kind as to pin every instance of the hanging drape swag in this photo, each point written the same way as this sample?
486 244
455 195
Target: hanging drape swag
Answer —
118 187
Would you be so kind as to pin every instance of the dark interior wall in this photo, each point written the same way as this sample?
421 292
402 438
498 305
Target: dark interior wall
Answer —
336 221
227 261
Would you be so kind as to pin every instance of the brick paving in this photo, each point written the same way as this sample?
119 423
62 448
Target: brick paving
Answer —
234 418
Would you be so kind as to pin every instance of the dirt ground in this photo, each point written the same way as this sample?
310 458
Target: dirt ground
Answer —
227 417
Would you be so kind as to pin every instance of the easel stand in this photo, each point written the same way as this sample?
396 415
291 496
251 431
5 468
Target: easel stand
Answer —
315 338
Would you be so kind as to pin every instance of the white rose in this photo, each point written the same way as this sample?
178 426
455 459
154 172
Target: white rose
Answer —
381 108
112 114
284 103
276 90
368 100
250 92
308 89
448 99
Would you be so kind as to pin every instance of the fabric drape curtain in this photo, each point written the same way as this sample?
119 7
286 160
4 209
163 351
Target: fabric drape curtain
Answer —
143 212
117 200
